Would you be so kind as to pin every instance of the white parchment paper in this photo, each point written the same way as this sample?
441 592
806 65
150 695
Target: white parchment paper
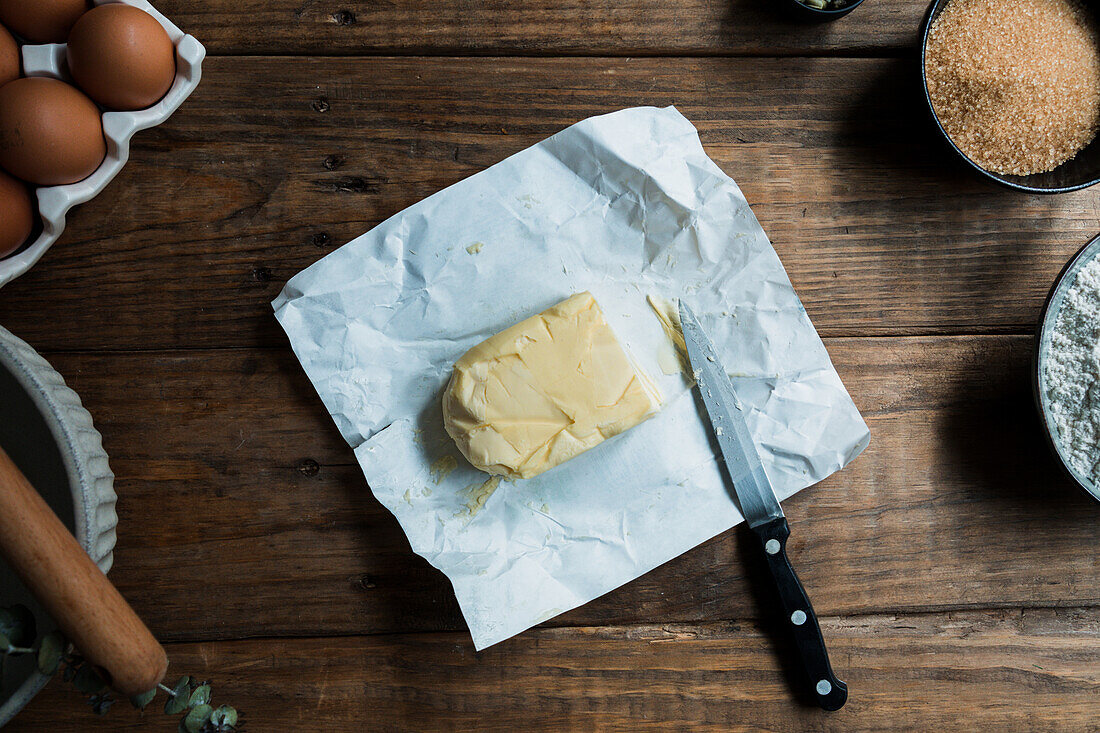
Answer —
625 205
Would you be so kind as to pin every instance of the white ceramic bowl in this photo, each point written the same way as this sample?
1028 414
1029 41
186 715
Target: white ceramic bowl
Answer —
50 436
1043 336
54 202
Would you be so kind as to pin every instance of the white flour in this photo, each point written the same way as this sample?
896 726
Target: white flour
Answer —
1071 373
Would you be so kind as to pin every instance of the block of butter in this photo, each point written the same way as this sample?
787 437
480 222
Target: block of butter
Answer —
545 390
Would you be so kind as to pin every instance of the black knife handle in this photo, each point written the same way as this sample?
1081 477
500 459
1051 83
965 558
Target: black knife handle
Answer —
829 692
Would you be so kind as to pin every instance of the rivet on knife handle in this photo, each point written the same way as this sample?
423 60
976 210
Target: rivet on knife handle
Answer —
828 691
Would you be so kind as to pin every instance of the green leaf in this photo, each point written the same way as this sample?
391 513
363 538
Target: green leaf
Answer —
17 623
201 696
50 653
177 703
140 701
88 681
7 622
182 727
101 703
224 716
197 718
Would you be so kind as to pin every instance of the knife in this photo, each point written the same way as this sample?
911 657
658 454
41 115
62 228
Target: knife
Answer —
761 509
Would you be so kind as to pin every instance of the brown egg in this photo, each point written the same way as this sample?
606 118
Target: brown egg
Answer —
16 214
9 57
41 21
122 57
50 133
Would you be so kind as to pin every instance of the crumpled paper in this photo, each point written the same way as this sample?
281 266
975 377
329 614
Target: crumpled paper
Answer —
625 205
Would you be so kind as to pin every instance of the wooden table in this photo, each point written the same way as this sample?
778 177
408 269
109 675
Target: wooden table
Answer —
955 571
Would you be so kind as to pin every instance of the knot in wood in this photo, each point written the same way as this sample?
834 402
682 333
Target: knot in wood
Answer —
344 17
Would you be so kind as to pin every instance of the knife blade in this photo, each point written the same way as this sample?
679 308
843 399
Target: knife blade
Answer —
761 509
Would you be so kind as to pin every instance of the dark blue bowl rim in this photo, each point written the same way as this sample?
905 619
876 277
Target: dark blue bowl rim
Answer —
1047 317
834 13
988 175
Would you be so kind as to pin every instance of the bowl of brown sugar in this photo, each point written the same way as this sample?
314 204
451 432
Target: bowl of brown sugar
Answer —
1014 86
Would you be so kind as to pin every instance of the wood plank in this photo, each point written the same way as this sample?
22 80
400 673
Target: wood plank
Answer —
1000 670
235 486
276 161
537 27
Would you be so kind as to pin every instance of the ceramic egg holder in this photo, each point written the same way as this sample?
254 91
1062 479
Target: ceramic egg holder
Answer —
54 202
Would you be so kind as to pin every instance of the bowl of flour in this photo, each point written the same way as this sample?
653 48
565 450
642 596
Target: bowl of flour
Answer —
1067 367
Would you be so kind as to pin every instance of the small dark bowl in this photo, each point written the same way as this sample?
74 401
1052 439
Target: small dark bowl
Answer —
1081 171
813 15
1043 334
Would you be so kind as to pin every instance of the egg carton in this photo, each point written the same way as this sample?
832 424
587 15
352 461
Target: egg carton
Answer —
54 202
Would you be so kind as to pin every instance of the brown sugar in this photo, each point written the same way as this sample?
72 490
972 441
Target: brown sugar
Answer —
1016 83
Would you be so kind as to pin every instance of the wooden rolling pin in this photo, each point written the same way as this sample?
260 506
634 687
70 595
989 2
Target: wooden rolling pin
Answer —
88 609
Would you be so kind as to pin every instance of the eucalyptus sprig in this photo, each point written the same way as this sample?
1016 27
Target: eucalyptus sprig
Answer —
189 697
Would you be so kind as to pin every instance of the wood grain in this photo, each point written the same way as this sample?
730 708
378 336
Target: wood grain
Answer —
537 27
276 161
999 670
954 568
234 485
